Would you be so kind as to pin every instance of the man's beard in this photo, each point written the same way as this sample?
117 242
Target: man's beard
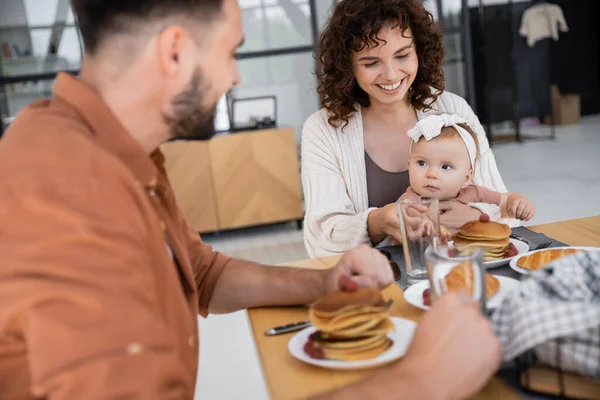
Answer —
189 118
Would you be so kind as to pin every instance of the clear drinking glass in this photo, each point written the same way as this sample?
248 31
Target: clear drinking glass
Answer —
468 273
420 229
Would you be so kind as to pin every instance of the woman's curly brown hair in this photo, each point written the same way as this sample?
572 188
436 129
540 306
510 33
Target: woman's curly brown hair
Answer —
353 27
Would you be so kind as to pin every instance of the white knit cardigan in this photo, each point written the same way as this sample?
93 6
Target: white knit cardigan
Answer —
334 178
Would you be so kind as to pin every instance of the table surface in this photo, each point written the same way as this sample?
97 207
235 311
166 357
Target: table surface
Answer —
288 378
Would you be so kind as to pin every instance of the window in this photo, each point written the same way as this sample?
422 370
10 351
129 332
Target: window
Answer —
277 57
276 24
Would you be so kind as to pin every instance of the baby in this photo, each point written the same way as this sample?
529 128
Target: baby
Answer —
441 162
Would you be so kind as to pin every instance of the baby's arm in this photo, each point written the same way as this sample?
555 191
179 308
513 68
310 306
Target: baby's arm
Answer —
515 205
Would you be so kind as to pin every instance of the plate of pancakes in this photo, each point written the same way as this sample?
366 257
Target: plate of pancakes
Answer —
492 237
459 278
352 330
538 259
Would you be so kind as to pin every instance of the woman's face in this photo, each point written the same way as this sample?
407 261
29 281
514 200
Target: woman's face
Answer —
387 71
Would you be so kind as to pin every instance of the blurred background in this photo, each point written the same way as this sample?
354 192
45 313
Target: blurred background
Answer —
538 100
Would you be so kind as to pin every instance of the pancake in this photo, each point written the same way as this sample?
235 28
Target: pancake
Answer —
383 327
365 353
484 230
336 302
359 329
348 310
346 321
460 241
319 340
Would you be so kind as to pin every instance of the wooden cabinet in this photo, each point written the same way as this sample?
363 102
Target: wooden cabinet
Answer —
237 180
189 170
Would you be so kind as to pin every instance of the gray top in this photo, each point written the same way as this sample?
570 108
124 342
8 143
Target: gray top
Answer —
384 187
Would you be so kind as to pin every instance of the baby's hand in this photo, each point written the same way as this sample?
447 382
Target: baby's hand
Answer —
520 207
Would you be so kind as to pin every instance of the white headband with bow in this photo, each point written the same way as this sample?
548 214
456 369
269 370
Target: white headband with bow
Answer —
431 127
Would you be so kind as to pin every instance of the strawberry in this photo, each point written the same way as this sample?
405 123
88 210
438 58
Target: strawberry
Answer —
313 352
427 297
346 284
511 251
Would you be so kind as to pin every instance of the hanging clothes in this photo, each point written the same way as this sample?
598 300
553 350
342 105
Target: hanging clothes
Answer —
512 80
542 21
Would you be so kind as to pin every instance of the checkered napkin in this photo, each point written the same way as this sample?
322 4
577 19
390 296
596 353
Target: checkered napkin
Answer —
562 302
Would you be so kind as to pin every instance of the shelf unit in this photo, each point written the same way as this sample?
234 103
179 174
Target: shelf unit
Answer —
29 54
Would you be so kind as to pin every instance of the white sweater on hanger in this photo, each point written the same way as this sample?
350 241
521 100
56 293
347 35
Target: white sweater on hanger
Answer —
334 178
542 21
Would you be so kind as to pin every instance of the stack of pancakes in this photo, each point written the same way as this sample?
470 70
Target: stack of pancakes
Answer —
492 237
351 326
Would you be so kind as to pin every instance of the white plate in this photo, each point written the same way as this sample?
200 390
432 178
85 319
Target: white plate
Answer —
414 294
401 338
521 247
513 262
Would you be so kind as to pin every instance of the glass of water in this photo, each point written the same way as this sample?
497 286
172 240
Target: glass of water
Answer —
420 229
449 272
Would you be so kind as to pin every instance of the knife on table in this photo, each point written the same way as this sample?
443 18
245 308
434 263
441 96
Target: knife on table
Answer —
293 327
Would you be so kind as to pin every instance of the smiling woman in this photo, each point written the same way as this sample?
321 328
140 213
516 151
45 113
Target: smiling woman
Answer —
359 48
380 73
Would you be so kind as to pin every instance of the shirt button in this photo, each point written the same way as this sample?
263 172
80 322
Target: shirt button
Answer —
152 183
191 341
151 192
134 348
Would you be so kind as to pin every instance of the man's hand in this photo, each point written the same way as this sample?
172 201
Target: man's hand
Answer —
520 207
455 214
454 349
360 267
244 284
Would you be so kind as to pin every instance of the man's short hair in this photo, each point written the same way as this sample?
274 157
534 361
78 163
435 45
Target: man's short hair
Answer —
98 19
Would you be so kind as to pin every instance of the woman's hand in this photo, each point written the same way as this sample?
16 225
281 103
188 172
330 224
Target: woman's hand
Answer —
385 221
455 214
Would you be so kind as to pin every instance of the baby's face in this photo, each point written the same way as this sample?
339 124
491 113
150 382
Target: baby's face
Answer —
439 168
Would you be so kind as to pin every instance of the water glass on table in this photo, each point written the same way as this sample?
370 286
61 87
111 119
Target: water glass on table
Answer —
420 229
450 272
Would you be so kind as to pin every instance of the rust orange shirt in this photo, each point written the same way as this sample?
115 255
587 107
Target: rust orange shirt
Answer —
101 278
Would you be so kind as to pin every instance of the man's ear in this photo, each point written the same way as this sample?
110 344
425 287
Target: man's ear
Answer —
468 178
171 43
